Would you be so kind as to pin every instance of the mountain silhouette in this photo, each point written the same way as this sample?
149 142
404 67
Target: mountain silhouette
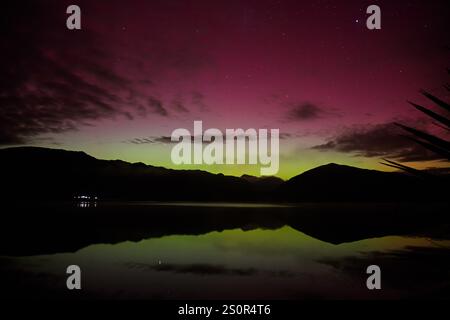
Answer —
263 184
41 173
39 185
52 174
333 182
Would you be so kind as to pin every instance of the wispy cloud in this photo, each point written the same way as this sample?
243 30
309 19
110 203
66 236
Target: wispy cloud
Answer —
307 111
379 140
54 80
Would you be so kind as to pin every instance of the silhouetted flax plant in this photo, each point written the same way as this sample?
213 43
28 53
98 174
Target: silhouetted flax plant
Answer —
437 145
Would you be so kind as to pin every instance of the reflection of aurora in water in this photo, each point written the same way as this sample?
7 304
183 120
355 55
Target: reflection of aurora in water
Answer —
282 263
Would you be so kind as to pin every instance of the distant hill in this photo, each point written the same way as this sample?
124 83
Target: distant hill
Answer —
263 184
41 173
333 182
48 174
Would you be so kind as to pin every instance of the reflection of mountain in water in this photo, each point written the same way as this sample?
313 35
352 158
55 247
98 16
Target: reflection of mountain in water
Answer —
37 229
34 176
257 264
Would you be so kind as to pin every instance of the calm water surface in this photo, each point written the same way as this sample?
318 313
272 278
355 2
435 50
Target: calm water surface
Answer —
281 263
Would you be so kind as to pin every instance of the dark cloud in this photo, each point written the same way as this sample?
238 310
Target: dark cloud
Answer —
54 79
168 140
198 100
178 105
308 111
140 141
285 135
182 103
160 139
157 106
40 92
381 140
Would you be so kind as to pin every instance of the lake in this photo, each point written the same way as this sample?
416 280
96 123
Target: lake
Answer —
227 251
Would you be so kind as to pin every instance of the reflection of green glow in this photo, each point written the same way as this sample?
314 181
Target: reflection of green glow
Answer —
284 259
281 248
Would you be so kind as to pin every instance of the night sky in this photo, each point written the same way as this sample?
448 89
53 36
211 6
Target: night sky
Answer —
140 69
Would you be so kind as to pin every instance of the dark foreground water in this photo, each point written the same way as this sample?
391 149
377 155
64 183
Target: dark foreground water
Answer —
245 259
